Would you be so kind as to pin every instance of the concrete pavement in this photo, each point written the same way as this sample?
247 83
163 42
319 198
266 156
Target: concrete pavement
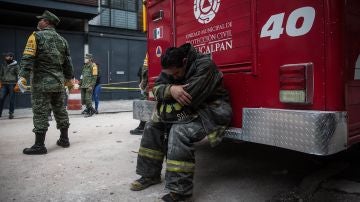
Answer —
100 165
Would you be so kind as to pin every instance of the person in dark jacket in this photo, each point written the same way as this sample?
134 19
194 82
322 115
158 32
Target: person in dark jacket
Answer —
8 78
191 104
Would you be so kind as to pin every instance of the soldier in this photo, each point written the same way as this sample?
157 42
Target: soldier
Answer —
8 77
47 59
87 83
191 104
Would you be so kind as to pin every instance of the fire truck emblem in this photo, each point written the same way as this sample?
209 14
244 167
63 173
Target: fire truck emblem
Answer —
205 10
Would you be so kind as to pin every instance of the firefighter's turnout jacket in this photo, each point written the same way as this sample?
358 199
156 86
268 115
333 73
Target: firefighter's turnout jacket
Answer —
174 128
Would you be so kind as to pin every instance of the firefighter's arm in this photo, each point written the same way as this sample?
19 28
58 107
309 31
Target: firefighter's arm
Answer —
28 58
201 84
68 68
180 95
161 89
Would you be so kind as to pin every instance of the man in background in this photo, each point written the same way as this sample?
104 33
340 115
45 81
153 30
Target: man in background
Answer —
8 78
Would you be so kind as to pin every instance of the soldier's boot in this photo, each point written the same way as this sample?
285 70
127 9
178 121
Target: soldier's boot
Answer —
85 111
144 182
63 141
93 110
90 112
38 147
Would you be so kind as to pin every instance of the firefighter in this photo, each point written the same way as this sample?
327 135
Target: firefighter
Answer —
47 61
143 76
191 104
87 83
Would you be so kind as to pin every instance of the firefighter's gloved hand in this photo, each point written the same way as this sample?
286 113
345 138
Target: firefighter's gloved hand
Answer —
0 84
69 83
22 84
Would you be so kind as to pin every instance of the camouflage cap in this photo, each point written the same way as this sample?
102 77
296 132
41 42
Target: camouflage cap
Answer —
88 56
49 16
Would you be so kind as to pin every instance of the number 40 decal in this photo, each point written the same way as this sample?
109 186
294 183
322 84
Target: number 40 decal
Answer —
273 27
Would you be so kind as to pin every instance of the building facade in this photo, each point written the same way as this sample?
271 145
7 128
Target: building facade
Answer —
109 29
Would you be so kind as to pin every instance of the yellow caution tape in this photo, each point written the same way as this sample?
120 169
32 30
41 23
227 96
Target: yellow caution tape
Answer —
119 88
123 82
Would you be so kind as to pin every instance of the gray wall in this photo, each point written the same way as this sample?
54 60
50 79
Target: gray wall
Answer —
119 59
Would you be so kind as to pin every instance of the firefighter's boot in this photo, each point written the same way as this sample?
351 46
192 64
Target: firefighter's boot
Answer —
38 147
144 182
174 197
138 130
63 141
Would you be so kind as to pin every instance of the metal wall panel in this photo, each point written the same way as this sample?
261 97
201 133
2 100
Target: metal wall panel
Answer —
76 44
14 39
119 60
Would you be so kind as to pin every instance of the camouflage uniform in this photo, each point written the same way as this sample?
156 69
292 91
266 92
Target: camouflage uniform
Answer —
8 78
87 83
47 61
208 115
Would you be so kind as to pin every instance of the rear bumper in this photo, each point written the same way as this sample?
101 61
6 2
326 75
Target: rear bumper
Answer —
312 132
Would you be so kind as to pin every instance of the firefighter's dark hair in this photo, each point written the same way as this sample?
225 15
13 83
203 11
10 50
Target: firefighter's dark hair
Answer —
173 57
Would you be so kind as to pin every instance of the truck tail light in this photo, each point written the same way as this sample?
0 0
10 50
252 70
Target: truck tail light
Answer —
296 83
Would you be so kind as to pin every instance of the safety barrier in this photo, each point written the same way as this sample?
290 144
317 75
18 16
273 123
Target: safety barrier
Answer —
74 98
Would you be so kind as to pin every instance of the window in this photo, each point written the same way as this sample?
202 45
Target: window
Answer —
118 13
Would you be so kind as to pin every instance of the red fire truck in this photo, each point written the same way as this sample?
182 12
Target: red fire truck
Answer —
292 67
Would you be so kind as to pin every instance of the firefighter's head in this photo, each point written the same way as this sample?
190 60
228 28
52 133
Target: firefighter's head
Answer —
173 62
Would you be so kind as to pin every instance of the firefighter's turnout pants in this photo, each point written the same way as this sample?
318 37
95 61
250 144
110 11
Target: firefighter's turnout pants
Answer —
180 163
